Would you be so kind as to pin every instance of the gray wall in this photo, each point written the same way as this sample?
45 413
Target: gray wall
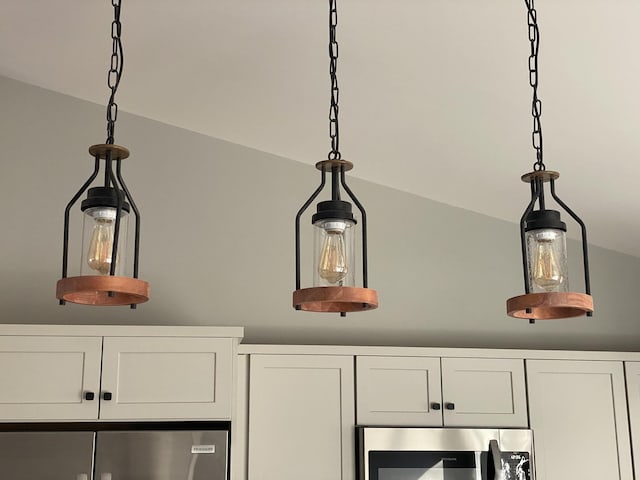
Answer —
217 243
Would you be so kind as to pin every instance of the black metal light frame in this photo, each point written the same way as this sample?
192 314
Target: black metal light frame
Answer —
340 299
106 289
545 305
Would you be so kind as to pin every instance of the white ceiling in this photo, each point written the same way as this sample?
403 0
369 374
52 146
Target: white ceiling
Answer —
434 100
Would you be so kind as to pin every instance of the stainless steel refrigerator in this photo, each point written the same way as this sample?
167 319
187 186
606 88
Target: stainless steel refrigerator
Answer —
114 455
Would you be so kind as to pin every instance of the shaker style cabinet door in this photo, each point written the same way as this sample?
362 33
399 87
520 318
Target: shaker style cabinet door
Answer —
578 414
49 378
398 391
633 390
301 417
166 378
484 392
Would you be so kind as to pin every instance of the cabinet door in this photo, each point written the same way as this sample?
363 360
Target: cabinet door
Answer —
484 392
301 417
399 391
633 390
579 419
44 378
166 378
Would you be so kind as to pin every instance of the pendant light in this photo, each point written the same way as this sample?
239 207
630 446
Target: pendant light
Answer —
542 232
334 287
106 209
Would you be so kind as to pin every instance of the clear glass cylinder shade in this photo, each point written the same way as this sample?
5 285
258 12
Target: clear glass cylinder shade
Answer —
334 253
547 260
97 241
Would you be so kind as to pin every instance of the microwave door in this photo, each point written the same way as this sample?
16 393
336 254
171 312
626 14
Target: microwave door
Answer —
494 462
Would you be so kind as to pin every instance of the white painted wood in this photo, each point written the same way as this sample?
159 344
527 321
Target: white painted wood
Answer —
43 378
632 370
486 392
240 421
435 352
167 378
121 330
301 418
578 415
398 391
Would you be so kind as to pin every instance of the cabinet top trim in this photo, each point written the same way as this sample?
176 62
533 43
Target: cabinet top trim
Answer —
122 331
436 352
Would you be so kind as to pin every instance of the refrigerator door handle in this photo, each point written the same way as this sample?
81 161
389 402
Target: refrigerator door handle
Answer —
494 462
105 476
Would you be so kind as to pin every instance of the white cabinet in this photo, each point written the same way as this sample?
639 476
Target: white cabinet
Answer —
398 391
301 417
168 378
428 391
578 415
45 378
59 378
633 391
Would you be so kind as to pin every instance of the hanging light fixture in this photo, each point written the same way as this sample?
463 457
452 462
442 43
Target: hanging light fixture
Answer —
106 209
334 276
542 232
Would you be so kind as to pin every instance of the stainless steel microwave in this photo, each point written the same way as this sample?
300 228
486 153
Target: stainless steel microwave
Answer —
407 453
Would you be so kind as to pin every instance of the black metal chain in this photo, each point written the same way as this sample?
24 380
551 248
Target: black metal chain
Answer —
334 131
115 70
536 104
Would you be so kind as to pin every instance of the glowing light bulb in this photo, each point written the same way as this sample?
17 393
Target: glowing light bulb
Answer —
547 272
100 245
333 265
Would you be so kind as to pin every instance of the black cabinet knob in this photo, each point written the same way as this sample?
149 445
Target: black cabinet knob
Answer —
89 396
107 396
435 406
450 406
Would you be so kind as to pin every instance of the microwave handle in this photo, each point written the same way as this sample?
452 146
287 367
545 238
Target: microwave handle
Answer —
494 462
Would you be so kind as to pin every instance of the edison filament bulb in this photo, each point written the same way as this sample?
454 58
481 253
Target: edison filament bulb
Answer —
101 242
546 252
333 265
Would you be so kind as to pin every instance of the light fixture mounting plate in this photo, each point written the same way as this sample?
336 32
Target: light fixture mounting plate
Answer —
544 175
101 150
327 165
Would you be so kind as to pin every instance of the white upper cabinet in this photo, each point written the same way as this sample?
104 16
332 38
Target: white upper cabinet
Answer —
46 378
484 392
139 373
399 391
166 378
432 392
633 391
578 414
301 417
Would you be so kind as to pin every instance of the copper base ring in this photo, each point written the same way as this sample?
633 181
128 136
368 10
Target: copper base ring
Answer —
94 290
335 299
550 305
117 152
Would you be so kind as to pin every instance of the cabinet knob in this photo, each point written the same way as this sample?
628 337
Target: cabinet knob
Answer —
89 396
435 406
450 406
107 396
